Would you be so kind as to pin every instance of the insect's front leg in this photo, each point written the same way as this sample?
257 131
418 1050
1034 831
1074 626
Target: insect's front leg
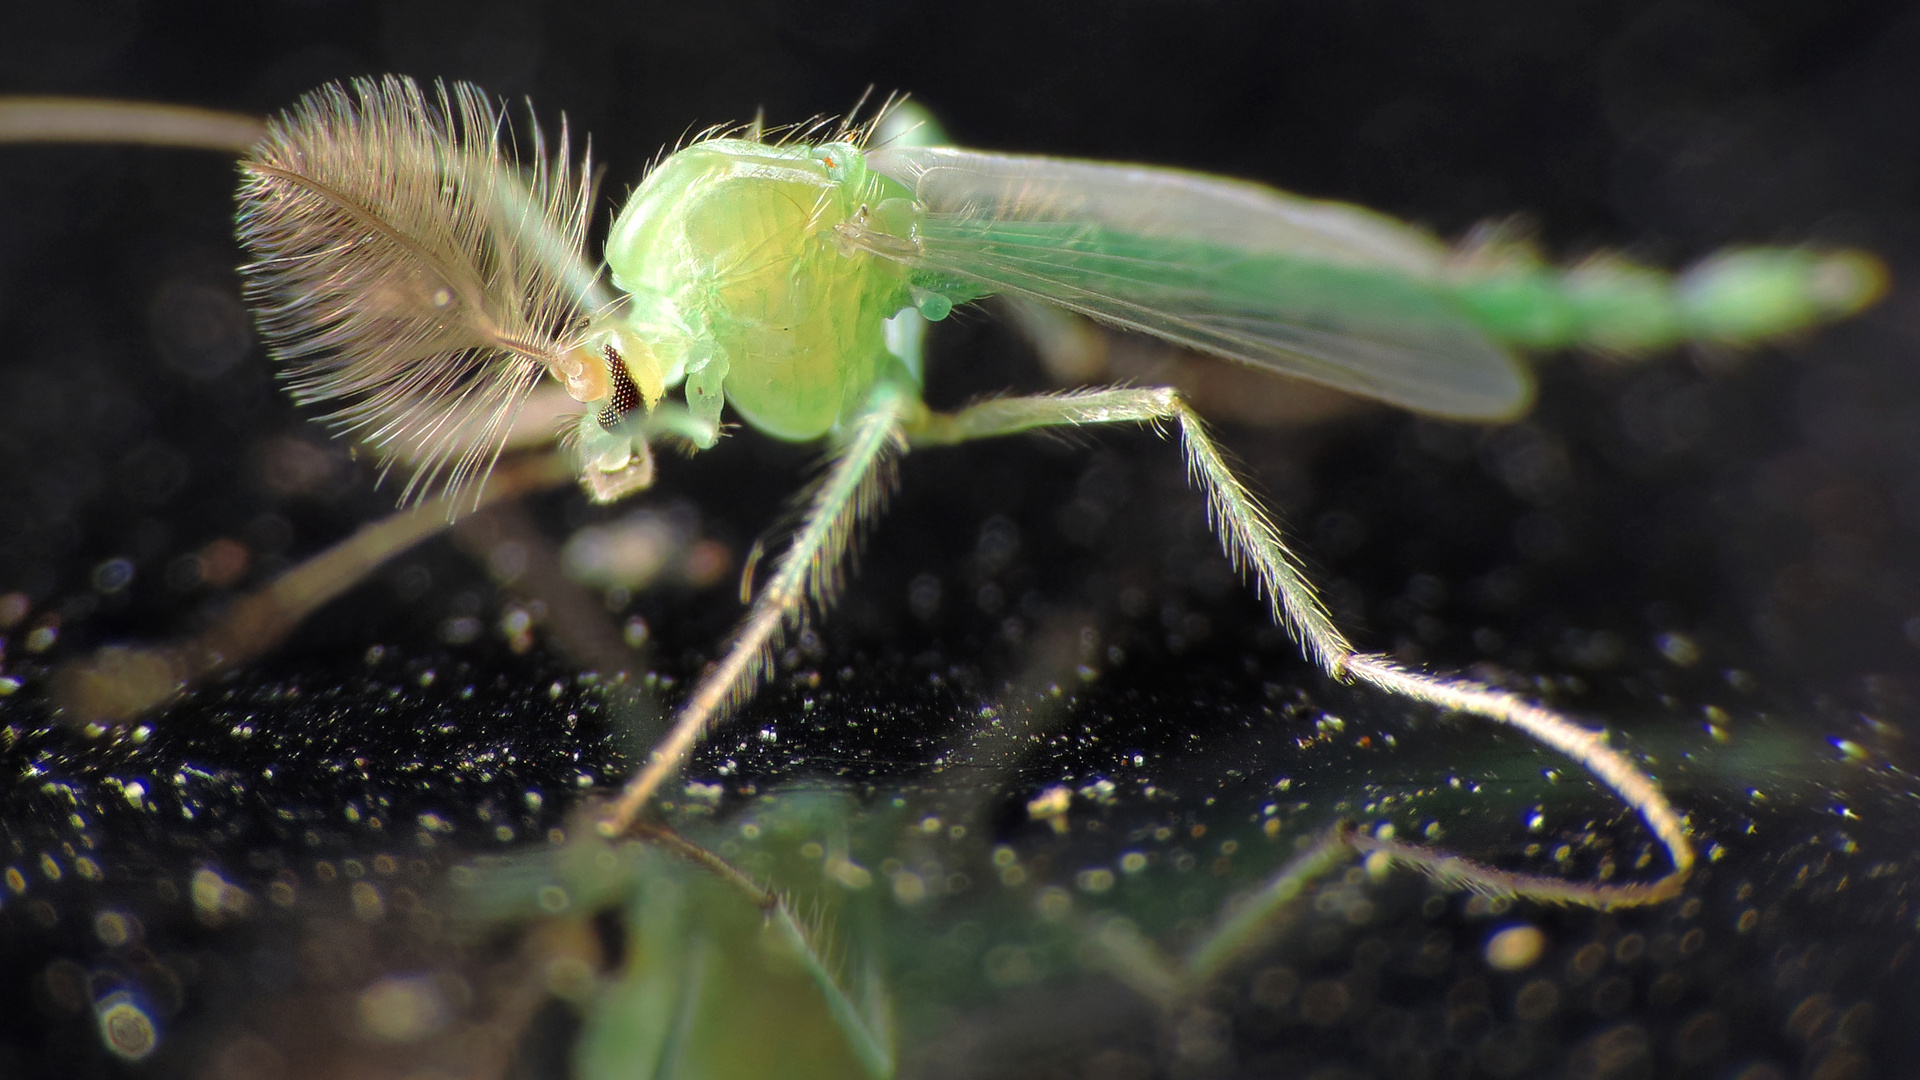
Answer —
848 497
1253 542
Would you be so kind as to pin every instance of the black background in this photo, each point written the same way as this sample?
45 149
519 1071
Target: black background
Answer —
1764 506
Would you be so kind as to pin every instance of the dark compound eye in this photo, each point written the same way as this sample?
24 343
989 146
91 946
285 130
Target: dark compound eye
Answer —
626 396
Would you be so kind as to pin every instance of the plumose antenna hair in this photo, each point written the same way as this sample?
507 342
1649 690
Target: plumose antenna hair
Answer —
410 276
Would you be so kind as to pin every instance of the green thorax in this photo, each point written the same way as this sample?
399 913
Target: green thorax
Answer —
729 252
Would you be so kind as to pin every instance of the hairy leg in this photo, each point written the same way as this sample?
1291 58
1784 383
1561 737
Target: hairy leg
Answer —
1253 542
810 570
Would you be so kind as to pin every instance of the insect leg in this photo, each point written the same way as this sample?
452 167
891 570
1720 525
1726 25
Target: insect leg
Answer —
1173 982
859 1005
56 119
849 494
1251 538
1584 745
1253 542
120 683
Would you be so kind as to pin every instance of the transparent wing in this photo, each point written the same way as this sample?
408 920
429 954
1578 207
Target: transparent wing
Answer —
1320 290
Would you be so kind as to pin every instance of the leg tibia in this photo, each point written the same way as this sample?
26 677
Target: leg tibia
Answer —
1248 534
849 494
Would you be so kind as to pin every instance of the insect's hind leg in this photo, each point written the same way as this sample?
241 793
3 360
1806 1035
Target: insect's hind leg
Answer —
1253 542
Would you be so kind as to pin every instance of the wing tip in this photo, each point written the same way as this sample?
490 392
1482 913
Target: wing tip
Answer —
1494 401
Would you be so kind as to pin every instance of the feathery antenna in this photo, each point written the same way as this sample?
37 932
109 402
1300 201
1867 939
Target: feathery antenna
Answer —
409 275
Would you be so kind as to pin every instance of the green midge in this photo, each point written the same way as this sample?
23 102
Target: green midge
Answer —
745 282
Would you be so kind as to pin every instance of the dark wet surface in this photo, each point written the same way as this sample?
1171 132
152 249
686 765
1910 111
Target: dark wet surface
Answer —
1713 556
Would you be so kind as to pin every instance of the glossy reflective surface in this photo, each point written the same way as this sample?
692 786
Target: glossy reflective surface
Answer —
1711 555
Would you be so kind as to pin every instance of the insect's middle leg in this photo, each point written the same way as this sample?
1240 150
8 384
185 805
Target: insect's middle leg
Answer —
1253 542
1248 533
119 684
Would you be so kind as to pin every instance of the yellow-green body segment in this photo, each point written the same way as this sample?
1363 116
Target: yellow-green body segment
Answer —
730 256
764 275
